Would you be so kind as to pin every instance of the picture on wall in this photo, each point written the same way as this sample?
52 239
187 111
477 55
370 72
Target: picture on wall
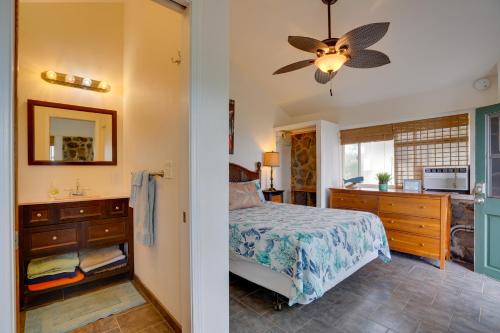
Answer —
231 126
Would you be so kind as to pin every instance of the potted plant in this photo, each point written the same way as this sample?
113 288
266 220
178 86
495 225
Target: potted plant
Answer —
383 181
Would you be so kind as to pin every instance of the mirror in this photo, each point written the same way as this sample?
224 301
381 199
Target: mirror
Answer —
61 134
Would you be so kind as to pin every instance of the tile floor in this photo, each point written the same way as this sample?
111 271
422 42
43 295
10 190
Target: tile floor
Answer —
407 295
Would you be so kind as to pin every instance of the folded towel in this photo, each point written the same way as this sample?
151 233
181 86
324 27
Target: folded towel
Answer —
89 258
143 200
63 263
91 268
52 277
110 267
56 283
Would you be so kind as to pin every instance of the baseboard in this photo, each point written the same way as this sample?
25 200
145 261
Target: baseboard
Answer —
156 303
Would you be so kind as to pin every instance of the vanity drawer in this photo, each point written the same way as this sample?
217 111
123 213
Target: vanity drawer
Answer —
80 211
418 245
117 207
37 215
414 225
106 232
53 241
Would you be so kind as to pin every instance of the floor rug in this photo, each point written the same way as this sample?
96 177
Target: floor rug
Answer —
79 311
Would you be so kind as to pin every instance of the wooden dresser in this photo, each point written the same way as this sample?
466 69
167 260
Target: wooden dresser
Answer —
55 228
415 223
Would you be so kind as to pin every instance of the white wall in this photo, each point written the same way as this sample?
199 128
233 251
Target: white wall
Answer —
90 44
7 292
152 119
330 161
434 103
255 118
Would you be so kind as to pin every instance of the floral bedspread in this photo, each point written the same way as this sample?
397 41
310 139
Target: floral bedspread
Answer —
311 245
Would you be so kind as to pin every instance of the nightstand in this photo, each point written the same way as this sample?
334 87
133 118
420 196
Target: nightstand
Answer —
274 196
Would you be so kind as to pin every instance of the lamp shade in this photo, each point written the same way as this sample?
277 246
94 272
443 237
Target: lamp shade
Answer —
272 159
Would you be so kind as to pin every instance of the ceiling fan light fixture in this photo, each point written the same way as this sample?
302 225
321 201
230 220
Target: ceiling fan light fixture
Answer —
330 63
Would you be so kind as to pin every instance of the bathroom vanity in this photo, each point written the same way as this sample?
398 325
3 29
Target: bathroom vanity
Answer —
57 227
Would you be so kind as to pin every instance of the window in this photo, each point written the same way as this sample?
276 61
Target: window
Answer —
367 159
403 149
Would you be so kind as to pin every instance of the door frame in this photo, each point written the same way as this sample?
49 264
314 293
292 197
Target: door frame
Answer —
8 314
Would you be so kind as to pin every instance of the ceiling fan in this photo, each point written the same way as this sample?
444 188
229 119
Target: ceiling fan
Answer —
333 53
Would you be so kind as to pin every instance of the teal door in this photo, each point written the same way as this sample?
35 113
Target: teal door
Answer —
487 191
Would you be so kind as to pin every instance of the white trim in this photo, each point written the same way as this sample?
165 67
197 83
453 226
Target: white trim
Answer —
208 168
7 252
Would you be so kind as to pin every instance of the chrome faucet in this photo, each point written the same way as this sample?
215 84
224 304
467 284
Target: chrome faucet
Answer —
78 190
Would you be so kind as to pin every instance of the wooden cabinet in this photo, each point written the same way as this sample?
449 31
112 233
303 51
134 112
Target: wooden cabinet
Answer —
55 228
274 196
415 223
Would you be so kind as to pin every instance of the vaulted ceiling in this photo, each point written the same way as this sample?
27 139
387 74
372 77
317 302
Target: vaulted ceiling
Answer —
432 44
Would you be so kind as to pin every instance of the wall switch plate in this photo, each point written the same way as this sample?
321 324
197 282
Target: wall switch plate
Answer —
169 170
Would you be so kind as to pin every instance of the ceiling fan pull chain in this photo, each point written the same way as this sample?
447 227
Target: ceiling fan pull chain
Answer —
331 88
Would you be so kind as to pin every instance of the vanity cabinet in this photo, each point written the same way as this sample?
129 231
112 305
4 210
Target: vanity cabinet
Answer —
54 228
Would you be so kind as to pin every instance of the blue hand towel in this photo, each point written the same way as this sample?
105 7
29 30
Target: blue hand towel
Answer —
143 200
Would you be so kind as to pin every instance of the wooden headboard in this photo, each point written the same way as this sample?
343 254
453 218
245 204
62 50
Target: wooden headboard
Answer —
237 173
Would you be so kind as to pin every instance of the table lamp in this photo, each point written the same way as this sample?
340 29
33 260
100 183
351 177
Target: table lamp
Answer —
271 159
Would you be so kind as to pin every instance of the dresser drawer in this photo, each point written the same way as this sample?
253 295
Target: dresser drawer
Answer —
56 240
353 201
117 207
411 206
414 225
80 211
106 232
418 245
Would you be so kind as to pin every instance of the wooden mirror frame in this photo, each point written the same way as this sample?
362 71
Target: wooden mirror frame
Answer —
31 132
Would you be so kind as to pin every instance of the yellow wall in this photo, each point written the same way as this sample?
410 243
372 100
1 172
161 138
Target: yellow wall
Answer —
79 38
153 111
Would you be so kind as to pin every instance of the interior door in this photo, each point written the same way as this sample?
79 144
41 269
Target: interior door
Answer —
487 191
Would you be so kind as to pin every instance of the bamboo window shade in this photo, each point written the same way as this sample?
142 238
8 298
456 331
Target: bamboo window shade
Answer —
442 141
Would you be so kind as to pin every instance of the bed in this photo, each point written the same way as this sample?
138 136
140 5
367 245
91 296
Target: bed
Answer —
300 252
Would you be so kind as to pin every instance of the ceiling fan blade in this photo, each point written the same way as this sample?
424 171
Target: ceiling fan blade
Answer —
363 37
294 66
307 44
367 59
322 77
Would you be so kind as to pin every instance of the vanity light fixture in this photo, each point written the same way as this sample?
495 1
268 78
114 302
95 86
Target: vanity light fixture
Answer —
76 81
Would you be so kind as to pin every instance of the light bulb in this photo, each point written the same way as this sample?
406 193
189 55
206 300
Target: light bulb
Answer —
330 62
87 82
51 75
103 85
70 78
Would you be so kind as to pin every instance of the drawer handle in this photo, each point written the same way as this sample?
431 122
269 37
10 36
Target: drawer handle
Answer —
39 215
54 238
341 199
117 208
422 207
82 211
391 204
391 221
363 201
422 244
422 226
106 230
393 239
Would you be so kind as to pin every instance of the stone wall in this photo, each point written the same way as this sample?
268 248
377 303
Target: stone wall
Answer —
462 242
303 160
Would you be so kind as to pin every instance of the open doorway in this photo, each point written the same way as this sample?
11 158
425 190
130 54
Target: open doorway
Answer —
102 94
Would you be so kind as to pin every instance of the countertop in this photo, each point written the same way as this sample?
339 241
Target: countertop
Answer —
455 196
72 199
